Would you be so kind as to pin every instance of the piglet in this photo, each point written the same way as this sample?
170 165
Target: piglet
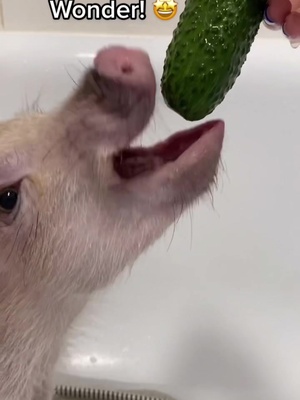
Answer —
79 204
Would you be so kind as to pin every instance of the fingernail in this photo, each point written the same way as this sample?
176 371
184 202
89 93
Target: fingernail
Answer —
284 31
295 42
267 19
269 23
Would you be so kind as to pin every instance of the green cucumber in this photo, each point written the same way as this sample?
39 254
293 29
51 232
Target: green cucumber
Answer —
209 47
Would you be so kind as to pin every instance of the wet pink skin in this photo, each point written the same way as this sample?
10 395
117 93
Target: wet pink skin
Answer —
286 13
129 66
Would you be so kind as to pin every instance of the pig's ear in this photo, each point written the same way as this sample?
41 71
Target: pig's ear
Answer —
13 168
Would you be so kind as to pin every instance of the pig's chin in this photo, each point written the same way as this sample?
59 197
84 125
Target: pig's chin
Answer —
134 162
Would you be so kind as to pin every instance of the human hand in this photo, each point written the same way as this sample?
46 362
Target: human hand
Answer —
285 15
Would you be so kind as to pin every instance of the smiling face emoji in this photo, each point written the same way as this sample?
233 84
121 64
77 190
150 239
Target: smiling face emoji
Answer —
165 9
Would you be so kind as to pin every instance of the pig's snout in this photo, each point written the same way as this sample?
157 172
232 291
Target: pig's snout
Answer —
128 67
114 102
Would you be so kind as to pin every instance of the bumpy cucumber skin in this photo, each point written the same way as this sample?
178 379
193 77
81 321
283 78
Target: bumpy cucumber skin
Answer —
207 52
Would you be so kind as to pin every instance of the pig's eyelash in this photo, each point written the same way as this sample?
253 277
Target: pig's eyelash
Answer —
16 186
13 184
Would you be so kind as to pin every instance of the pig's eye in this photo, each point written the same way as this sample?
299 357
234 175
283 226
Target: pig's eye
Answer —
8 200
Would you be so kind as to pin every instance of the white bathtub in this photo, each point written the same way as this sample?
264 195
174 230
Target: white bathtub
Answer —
215 315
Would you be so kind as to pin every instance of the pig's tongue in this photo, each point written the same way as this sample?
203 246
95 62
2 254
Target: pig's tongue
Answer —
131 162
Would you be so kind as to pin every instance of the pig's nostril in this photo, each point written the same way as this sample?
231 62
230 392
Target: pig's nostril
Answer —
127 68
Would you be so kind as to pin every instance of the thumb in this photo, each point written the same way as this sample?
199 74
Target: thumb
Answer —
278 10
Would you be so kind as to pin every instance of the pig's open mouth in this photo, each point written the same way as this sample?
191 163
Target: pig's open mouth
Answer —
133 161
